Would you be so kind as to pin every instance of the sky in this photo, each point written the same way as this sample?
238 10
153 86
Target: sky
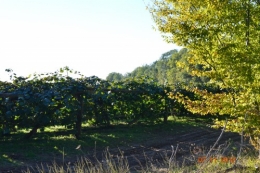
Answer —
95 37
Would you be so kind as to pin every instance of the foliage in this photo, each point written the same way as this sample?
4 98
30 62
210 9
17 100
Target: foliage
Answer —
222 36
114 77
51 99
170 69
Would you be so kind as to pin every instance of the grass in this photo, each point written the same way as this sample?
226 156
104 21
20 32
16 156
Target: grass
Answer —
56 150
57 143
111 164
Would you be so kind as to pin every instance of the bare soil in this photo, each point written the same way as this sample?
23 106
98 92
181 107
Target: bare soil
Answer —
189 146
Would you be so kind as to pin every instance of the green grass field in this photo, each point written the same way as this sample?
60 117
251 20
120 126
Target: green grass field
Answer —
59 145
57 142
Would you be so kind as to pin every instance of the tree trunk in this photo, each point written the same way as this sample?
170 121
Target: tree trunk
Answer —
79 117
32 132
166 112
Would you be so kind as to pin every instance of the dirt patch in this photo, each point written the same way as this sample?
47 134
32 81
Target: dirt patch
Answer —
190 146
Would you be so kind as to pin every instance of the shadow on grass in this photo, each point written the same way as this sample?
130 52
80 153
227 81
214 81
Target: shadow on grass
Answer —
61 144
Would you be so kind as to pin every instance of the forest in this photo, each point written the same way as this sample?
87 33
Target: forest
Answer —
171 69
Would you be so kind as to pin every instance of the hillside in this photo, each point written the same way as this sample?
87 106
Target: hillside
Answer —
172 67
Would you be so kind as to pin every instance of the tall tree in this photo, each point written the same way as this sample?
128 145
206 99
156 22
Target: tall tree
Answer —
223 36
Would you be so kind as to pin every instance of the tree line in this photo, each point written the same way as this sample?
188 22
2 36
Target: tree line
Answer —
172 68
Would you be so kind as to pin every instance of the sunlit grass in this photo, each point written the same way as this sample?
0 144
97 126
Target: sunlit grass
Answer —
57 142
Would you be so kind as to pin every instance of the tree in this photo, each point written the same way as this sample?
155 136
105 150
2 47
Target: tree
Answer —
114 76
223 36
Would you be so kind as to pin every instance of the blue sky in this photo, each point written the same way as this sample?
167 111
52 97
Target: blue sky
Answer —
95 37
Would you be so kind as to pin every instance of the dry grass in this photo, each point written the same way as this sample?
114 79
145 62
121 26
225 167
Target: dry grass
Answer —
217 162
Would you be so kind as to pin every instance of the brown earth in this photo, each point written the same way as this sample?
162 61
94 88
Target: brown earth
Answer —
190 146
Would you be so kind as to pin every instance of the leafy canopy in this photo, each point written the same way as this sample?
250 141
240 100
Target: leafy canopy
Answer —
223 36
